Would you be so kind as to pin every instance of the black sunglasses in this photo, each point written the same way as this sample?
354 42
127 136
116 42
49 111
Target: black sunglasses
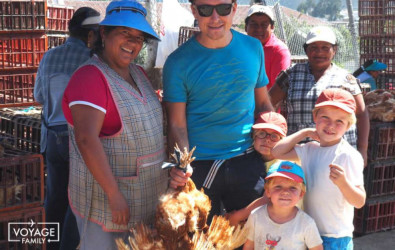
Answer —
207 10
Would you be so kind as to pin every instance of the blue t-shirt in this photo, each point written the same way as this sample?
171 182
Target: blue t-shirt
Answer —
217 86
365 77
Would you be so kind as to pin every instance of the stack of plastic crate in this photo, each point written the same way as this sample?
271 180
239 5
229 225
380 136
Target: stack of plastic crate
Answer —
377 35
21 199
378 214
22 45
20 128
58 17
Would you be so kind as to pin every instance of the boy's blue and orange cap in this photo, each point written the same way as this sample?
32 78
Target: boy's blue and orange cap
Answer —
287 170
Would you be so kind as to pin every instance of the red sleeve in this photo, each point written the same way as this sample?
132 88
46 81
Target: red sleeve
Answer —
89 86
282 59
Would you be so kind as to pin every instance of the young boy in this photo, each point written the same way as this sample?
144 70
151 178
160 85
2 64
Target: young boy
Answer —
280 224
268 129
334 169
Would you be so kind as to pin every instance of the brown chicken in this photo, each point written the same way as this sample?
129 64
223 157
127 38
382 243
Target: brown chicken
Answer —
181 218
381 105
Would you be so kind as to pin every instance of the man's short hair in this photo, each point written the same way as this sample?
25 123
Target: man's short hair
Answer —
77 28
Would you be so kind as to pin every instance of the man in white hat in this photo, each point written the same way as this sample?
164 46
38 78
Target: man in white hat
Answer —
259 23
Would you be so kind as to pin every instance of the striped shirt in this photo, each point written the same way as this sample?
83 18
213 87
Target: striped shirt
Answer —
54 72
302 92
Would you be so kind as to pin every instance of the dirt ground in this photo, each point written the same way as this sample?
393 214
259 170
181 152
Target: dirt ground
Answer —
382 240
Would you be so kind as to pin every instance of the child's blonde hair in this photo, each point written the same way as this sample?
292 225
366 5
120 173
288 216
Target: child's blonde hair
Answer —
352 119
269 183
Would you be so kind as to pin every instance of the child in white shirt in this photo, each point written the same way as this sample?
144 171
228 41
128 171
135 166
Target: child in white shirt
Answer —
333 168
280 224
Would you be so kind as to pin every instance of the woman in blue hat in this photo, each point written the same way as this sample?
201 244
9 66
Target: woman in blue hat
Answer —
116 133
369 72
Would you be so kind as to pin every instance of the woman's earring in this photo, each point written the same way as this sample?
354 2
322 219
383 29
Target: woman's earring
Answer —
88 45
102 44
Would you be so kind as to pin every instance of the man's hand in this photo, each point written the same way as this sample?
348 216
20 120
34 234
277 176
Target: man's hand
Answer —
179 178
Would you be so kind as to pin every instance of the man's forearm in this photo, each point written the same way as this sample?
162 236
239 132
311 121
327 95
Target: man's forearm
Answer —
179 136
363 127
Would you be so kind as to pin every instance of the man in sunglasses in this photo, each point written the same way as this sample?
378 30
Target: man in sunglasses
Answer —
260 24
213 84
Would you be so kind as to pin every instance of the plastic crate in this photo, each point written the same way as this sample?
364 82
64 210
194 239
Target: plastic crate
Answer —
377 46
22 15
22 132
376 7
381 141
28 134
377 215
380 178
374 25
55 40
58 17
21 182
17 89
185 33
21 51
36 215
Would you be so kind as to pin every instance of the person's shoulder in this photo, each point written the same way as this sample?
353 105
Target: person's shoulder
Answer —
184 49
303 218
55 51
349 151
278 44
259 210
338 70
299 68
311 145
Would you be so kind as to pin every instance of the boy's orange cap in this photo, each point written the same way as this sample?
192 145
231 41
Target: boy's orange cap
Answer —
271 120
338 98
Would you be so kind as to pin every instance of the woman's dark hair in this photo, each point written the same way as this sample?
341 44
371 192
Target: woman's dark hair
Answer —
98 45
76 28
361 69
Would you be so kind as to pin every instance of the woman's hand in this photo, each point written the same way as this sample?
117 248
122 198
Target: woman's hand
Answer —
119 208
179 178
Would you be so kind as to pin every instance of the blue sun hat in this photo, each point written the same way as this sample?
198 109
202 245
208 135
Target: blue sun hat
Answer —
287 170
128 13
376 66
